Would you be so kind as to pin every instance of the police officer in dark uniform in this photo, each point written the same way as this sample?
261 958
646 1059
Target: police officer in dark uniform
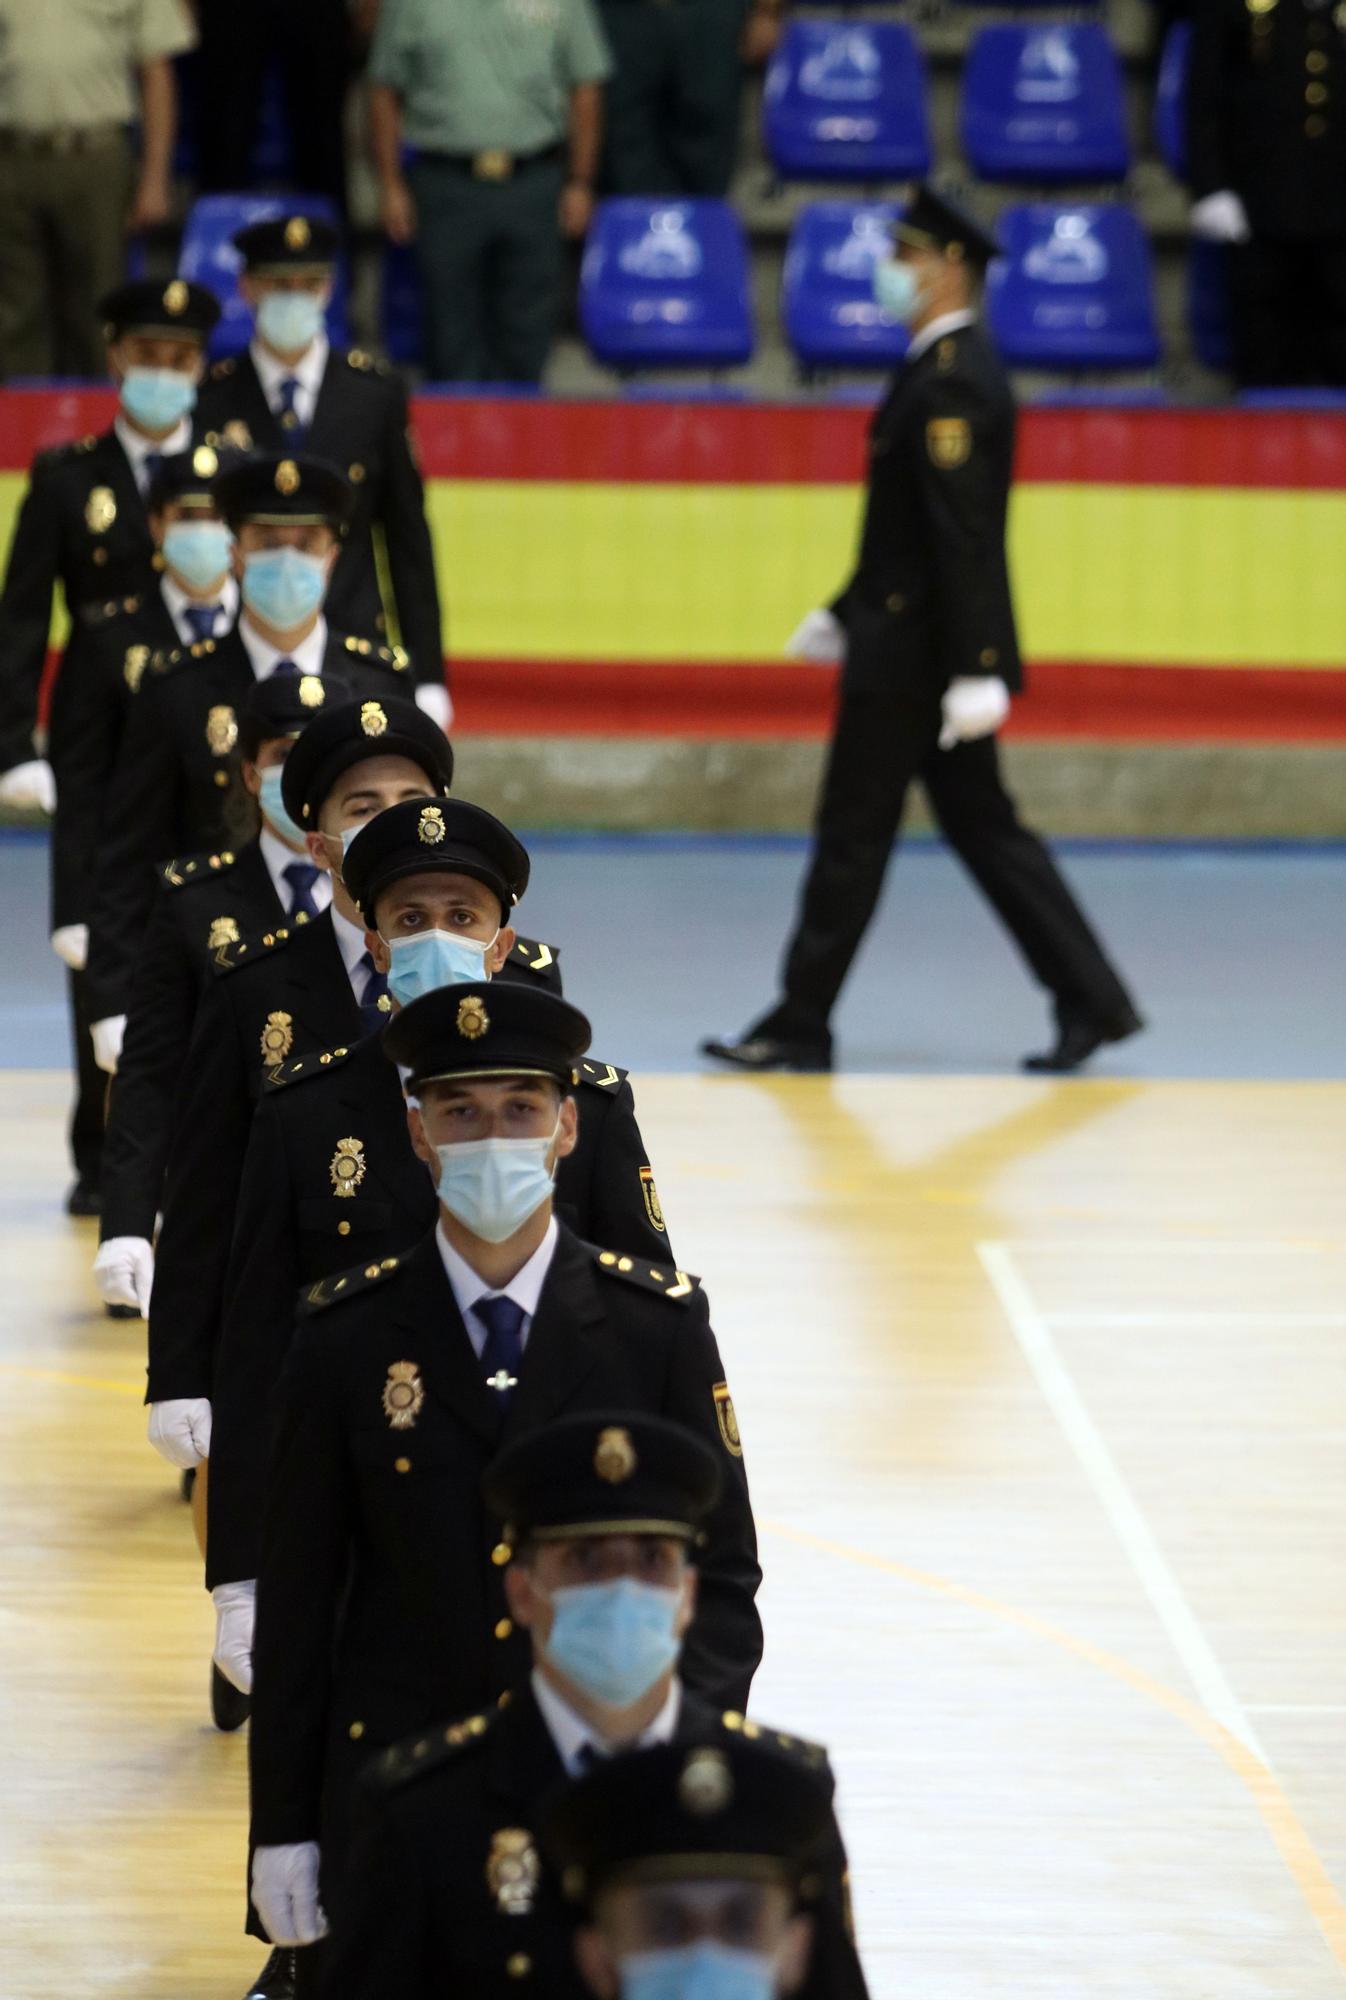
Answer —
84 525
290 391
330 1172
380 1599
926 628
606 1508
1267 163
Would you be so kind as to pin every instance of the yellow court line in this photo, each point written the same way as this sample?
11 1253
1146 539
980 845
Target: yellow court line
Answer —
69 1381
1279 1817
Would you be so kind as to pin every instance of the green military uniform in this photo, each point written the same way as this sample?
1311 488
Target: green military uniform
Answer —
671 123
485 100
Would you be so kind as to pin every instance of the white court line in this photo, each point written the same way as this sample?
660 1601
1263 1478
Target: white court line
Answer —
1129 1525
1195 1319
1297 1708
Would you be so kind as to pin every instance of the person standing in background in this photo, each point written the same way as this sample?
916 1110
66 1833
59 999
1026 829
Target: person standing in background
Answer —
673 105
311 42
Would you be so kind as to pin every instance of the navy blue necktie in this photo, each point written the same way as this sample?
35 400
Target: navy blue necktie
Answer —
301 875
289 414
375 989
285 667
152 465
503 1352
201 618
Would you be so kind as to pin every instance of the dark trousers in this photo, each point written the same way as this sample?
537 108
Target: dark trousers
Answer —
238 39
671 110
62 246
490 262
86 1117
883 739
1287 299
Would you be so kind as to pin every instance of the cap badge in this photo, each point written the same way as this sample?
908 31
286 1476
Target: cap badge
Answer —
403 1395
615 1455
297 233
372 719
222 932
176 298
287 477
706 1785
512 1871
430 828
312 693
277 1037
347 1168
727 1420
134 665
221 730
473 1020
100 510
205 463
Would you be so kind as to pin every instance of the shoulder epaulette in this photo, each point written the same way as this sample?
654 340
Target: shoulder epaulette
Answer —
246 951
341 1286
601 1075
299 1068
665 1279
167 659
395 657
416 1755
223 370
196 868
534 955
366 364
737 1724
95 615
72 448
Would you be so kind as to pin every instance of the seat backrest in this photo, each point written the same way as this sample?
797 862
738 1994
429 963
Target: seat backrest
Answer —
666 283
847 100
1074 288
832 319
1044 102
208 257
1170 98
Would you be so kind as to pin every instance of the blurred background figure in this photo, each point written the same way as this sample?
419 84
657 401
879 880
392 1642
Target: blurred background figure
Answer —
311 43
673 102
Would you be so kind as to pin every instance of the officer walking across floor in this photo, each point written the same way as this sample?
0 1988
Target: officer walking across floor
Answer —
604 1512
925 633
84 525
290 390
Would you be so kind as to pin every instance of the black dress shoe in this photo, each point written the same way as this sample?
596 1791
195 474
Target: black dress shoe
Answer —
83 1198
187 1484
229 1709
121 1312
1076 1041
275 1981
763 1052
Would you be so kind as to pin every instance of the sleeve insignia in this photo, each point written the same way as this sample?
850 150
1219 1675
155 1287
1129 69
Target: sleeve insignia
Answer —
727 1421
100 510
664 1279
223 931
347 1167
650 1196
948 441
403 1395
603 1076
512 1871
134 665
277 1037
536 956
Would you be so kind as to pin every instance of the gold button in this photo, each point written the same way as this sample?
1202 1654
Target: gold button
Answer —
989 656
268 939
500 1554
401 1465
1315 125
732 1720
1315 62
504 1700
607 1257
221 777
389 1264
228 859
356 1731
518 1965
371 1270
1315 93
324 1057
625 1264
100 556
896 602
335 1052
476 1725
343 1229
504 1626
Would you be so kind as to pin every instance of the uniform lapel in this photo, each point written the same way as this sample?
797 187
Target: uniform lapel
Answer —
253 409
254 887
523 1761
117 467
318 988
562 1344
324 411
449 1368
375 1109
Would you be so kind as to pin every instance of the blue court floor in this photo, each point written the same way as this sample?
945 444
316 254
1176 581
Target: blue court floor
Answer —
1237 957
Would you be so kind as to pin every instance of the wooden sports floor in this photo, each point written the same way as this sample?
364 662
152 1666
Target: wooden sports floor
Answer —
1043 1397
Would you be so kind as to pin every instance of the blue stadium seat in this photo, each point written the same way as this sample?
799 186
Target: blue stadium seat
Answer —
847 101
1208 303
1044 104
208 257
664 284
1170 102
831 317
1074 289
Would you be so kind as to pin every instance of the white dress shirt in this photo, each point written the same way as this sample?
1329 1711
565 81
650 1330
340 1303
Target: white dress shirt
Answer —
953 322
307 371
278 857
177 602
307 655
525 1287
138 447
572 1735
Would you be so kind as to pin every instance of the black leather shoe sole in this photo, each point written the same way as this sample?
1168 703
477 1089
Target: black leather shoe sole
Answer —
121 1312
764 1052
1075 1045
187 1484
83 1199
276 1980
229 1709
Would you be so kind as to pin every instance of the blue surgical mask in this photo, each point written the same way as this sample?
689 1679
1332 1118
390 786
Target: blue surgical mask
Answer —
197 552
289 321
431 959
494 1185
273 805
705 1971
614 1639
897 289
157 398
284 586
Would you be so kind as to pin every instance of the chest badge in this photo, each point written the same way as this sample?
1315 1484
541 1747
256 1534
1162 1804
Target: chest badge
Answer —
221 730
277 1037
948 440
223 931
512 1871
347 1167
403 1395
100 510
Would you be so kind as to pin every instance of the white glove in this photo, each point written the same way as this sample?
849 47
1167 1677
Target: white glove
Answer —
123 1271
285 1890
235 1604
1220 218
433 699
180 1430
107 1041
819 639
71 945
30 784
973 705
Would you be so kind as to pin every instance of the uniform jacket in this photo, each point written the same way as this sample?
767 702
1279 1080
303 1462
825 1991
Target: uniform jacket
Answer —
379 1597
82 524
930 595
283 994
330 1175
204 902
175 787
361 424
437 1813
1265 113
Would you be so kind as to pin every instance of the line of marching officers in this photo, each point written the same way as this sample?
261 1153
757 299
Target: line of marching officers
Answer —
468 1479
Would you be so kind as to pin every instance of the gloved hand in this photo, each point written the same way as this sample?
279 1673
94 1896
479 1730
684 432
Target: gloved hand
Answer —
973 705
433 699
180 1430
820 639
123 1271
107 1041
71 944
285 1890
1220 218
235 1604
29 784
